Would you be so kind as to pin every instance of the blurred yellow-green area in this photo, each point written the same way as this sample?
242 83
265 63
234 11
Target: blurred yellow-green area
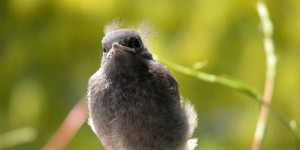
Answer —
50 48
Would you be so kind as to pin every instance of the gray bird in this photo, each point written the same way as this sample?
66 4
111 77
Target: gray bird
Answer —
134 103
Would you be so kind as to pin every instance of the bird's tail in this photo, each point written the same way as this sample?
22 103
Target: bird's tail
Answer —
192 122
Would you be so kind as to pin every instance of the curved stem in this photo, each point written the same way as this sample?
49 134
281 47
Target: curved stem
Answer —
222 80
267 28
235 85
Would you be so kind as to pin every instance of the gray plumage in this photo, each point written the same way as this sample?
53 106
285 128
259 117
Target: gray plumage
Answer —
134 101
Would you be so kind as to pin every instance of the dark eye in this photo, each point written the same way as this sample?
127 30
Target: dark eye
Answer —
135 43
104 49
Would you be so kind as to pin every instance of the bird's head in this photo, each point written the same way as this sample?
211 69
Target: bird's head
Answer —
124 50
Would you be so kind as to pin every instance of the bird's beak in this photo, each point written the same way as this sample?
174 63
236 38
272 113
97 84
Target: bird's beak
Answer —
117 46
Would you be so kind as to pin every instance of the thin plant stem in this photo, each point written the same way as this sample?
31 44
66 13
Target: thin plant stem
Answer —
222 80
267 29
69 127
233 84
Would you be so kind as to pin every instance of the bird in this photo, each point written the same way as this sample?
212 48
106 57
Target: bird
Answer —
134 101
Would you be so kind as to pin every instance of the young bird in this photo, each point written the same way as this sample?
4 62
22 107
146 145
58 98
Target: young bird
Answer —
134 103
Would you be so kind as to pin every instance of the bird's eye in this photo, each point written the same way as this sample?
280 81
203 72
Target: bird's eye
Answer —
104 49
135 43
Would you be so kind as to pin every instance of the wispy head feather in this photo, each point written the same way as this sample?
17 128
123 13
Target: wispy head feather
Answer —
112 26
145 29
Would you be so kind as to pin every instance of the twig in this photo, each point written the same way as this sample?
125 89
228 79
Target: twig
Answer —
69 127
222 80
235 85
267 28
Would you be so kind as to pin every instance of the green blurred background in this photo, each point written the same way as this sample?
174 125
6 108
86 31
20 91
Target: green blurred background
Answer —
49 49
